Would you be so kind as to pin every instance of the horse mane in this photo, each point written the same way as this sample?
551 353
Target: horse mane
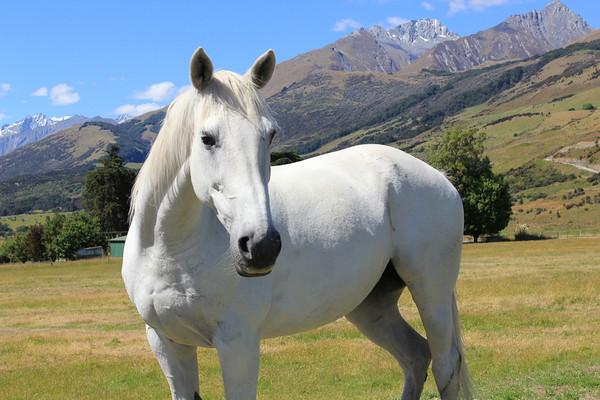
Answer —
226 92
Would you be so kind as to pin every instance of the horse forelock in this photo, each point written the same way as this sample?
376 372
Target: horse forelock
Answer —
227 92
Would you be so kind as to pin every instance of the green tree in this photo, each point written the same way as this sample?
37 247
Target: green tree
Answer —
486 197
13 249
52 228
588 107
5 230
107 190
78 230
34 243
284 157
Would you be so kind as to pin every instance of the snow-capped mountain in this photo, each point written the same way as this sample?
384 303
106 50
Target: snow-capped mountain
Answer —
379 49
35 127
374 49
414 37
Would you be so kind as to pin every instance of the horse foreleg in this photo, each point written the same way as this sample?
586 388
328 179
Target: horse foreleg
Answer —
239 354
179 364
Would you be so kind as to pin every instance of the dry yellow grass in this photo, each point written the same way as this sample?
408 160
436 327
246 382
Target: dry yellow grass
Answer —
530 312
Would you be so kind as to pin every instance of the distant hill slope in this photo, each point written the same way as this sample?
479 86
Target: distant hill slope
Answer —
48 174
80 146
518 37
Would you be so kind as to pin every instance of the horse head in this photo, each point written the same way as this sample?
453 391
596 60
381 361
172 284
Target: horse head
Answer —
229 158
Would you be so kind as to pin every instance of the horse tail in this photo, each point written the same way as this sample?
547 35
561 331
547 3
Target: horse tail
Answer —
466 391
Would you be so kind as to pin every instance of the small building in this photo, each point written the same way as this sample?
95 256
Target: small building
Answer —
116 246
90 252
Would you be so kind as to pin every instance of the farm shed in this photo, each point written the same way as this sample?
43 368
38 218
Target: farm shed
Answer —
116 246
90 252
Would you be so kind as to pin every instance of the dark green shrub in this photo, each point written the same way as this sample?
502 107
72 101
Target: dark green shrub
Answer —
588 107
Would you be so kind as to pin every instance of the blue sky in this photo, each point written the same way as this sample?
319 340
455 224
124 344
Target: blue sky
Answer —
101 58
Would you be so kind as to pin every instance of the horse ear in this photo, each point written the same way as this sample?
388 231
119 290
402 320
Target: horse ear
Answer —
262 70
201 69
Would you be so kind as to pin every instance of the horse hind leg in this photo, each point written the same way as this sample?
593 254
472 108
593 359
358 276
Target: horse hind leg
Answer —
378 318
434 297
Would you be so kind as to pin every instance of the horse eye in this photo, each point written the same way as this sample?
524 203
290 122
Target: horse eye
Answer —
208 140
272 135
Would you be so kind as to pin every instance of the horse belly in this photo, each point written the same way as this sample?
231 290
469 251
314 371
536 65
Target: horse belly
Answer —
311 291
329 261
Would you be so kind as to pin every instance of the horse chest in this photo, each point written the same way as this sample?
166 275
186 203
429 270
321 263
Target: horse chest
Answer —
178 305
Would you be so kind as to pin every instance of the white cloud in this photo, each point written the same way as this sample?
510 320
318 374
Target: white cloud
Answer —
63 94
2 116
427 5
4 89
395 21
157 92
482 4
345 24
456 6
134 110
41 92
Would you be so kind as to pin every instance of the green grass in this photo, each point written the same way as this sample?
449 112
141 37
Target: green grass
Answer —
530 313
16 221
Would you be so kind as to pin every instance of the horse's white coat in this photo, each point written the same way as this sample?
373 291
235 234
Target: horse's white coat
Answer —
342 217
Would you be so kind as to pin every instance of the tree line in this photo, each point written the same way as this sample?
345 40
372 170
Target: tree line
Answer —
106 194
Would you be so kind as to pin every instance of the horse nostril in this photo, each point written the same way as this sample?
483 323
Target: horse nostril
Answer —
243 243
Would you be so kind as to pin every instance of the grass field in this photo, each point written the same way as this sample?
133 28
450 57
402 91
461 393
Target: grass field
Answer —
530 313
16 221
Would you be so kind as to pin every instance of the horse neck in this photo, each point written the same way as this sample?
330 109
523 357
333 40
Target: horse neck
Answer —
180 222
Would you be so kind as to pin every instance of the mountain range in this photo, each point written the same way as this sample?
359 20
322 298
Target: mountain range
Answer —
375 49
428 44
518 37
524 81
36 127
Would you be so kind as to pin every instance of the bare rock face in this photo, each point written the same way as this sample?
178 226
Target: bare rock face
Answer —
388 50
413 37
519 37
365 50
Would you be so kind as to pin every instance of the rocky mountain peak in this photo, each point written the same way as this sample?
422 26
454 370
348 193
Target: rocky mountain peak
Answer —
554 15
415 31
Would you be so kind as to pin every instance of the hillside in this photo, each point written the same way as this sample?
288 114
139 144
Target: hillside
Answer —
48 174
545 136
80 146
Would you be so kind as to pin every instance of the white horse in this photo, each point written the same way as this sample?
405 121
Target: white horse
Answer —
349 230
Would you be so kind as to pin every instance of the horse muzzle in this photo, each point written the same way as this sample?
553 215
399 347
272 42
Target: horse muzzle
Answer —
258 253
